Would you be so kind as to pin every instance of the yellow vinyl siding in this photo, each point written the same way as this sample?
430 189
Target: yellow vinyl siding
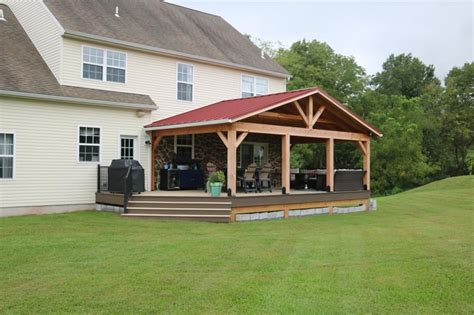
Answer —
46 137
155 75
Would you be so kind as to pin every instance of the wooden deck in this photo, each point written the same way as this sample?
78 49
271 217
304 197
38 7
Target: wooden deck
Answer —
199 206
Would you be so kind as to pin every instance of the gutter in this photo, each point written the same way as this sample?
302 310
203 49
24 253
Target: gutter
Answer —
194 124
167 52
75 100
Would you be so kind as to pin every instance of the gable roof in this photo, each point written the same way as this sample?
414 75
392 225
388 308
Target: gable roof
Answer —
161 27
23 73
230 111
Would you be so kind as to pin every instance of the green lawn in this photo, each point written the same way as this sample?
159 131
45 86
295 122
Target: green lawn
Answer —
413 255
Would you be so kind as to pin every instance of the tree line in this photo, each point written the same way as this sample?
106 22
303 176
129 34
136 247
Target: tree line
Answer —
428 127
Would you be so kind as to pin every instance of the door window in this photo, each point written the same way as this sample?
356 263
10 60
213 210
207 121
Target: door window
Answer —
128 149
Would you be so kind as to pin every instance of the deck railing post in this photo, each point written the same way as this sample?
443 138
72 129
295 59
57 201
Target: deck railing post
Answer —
127 189
98 178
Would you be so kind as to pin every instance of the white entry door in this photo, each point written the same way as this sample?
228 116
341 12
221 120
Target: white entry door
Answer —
129 148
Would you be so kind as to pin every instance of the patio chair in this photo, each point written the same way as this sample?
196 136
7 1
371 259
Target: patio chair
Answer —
265 179
250 183
211 169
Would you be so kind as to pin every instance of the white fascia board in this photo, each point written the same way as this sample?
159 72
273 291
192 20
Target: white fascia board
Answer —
194 124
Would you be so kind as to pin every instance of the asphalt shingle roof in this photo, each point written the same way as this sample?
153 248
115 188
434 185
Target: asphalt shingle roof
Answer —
22 69
162 25
229 111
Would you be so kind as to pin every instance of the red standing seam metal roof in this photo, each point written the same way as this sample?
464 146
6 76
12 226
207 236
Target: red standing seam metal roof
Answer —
233 109
230 109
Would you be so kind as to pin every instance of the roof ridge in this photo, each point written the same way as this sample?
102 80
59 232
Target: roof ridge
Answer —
191 9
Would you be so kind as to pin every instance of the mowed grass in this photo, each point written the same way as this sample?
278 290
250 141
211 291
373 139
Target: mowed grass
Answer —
413 255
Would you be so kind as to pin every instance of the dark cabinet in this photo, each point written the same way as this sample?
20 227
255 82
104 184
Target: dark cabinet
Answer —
181 179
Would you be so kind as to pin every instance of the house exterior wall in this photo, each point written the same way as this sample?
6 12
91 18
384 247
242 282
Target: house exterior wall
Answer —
46 159
155 75
43 30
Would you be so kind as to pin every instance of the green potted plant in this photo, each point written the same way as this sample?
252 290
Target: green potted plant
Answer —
215 182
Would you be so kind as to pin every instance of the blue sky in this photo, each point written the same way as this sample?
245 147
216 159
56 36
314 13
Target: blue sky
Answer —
438 32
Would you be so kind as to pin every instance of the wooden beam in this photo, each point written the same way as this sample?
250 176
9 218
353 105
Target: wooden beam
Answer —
289 117
361 147
310 110
193 130
232 161
301 112
300 132
223 138
283 116
367 165
330 164
285 162
241 138
317 115
285 102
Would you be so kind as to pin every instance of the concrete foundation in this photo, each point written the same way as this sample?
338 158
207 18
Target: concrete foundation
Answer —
17 211
108 208
303 212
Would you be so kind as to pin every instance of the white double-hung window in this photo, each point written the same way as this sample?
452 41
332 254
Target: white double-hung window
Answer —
261 86
185 82
7 155
252 86
104 65
89 144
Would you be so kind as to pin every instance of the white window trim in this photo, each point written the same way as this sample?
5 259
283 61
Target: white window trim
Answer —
175 149
261 78
104 65
254 84
137 138
93 144
242 84
265 144
192 84
14 155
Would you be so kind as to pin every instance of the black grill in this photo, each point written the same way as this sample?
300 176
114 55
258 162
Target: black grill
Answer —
118 171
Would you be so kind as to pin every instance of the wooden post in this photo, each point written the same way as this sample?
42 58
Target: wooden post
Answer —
285 162
232 161
310 110
330 163
367 164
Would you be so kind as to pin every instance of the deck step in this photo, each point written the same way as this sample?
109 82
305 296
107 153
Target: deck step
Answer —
183 202
177 205
179 209
182 211
183 199
184 217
